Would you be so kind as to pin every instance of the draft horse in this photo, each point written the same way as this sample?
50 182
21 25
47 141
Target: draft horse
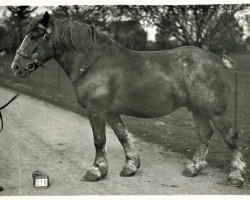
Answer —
110 80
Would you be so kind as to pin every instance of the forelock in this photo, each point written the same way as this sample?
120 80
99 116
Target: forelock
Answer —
33 24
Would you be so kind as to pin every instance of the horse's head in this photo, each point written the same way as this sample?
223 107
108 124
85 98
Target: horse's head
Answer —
36 48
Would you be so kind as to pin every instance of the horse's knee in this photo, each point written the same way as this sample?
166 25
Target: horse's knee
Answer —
122 136
117 125
99 143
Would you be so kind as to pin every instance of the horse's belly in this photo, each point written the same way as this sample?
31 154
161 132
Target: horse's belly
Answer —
144 113
145 103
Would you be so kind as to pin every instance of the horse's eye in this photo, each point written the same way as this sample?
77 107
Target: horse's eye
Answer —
34 36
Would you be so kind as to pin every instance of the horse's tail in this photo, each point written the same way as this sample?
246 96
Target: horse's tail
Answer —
228 62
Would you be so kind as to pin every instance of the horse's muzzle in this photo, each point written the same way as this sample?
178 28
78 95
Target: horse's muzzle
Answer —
18 72
16 68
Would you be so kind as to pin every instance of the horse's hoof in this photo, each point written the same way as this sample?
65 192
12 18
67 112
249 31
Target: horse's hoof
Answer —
236 182
235 179
95 173
138 162
190 171
129 169
126 172
92 174
201 166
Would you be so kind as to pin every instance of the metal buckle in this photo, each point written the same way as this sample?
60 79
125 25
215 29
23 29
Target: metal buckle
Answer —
35 55
30 69
45 37
32 58
37 62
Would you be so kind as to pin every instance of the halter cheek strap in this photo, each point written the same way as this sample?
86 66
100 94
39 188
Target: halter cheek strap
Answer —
34 64
33 57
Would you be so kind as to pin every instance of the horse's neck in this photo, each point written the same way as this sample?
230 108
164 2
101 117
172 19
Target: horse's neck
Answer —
66 60
75 63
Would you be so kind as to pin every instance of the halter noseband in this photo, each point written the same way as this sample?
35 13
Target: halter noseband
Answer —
32 58
35 63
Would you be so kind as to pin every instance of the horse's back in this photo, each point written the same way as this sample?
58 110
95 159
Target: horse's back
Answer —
185 76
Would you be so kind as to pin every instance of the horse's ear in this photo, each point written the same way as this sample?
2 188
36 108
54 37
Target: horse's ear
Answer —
45 19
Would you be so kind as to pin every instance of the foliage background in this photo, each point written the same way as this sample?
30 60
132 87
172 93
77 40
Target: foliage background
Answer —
214 27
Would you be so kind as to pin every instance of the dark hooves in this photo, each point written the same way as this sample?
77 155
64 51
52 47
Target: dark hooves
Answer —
91 178
1 189
189 172
235 182
126 172
130 168
94 174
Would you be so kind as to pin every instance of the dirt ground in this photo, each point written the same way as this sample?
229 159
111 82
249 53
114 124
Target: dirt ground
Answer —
39 135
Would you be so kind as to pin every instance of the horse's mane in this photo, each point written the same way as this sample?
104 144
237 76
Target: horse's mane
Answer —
77 35
80 36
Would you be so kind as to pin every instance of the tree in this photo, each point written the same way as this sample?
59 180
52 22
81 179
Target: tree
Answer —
120 21
200 25
196 25
21 12
16 24
94 15
129 33
229 37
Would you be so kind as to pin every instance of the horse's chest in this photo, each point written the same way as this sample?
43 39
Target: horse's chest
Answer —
94 92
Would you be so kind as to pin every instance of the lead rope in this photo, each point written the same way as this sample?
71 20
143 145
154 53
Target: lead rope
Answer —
1 117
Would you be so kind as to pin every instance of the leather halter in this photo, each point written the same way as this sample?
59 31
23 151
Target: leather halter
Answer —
32 58
35 62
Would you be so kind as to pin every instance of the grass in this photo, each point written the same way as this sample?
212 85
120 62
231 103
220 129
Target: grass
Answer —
176 132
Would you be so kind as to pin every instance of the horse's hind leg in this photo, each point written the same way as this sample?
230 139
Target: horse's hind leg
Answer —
132 159
230 136
99 168
205 132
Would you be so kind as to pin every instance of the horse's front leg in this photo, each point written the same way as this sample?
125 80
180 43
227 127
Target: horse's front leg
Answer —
99 168
132 159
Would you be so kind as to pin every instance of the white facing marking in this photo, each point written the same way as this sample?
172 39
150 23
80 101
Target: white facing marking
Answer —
25 38
17 55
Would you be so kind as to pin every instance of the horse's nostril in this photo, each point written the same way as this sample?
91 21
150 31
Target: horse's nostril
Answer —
16 67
